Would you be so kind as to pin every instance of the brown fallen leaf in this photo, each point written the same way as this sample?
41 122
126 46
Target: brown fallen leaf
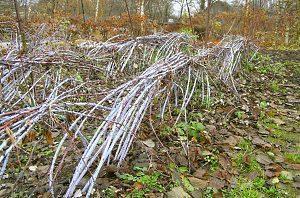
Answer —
224 161
30 137
217 183
222 174
264 159
269 173
296 185
198 183
48 136
231 140
260 142
294 166
278 121
200 173
274 168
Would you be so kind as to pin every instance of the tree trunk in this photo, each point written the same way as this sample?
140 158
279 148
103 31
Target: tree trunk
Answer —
142 15
53 8
129 16
20 31
97 10
82 10
189 13
202 5
207 31
26 10
246 18
181 10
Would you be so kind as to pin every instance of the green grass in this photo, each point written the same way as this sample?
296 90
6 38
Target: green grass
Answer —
254 189
293 157
278 134
245 160
147 182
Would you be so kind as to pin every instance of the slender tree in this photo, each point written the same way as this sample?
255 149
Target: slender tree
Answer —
207 32
82 10
20 31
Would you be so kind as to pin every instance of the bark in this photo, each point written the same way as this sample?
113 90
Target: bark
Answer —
202 5
207 32
97 10
100 9
129 16
82 10
142 14
53 8
189 13
21 33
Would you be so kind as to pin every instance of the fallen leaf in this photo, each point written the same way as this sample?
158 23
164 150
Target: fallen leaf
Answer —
279 158
231 140
177 192
43 169
278 121
296 185
32 168
275 180
269 173
287 175
138 185
294 166
260 142
198 183
224 161
264 159
48 136
263 131
217 183
200 173
149 143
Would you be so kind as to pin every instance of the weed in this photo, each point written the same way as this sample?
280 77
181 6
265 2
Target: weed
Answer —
187 184
275 86
192 129
239 114
253 189
148 182
212 160
208 192
244 160
109 192
293 157
263 105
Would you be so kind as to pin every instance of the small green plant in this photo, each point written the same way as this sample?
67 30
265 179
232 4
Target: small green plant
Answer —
187 184
192 130
208 192
212 160
189 32
207 102
275 86
239 114
148 182
263 105
244 160
293 157
253 189
109 192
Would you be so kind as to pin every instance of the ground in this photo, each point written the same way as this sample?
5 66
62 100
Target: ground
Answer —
243 144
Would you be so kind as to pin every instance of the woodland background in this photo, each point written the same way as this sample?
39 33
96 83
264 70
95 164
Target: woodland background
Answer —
271 23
